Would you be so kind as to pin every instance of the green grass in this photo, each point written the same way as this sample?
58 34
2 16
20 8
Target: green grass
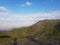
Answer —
42 31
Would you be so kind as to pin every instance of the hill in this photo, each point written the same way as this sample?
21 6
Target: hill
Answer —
44 32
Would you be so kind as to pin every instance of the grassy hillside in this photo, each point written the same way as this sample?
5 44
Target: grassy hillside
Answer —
44 31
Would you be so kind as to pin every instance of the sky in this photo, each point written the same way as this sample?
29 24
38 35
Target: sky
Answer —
20 13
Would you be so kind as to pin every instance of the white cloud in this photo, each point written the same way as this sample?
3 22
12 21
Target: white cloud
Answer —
26 4
9 21
3 8
22 5
3 11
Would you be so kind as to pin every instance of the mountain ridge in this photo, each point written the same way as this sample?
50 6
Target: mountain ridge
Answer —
44 31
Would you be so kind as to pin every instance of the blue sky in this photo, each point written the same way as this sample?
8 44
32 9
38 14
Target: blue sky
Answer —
18 13
36 6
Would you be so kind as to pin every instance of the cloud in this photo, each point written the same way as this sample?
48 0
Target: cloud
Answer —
3 11
26 4
3 8
9 20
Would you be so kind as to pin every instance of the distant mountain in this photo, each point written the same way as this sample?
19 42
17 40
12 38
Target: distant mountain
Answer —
44 32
